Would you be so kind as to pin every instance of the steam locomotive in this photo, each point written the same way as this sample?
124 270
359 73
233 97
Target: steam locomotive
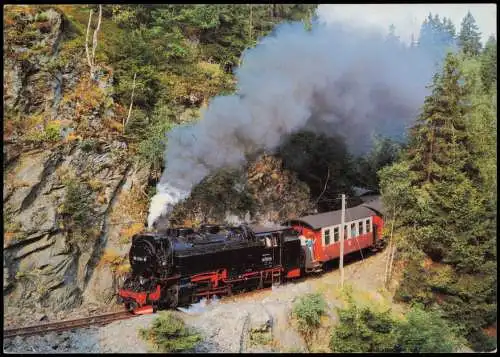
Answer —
178 266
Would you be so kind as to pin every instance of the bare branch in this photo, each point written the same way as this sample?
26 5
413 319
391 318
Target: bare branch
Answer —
131 104
326 184
87 40
94 44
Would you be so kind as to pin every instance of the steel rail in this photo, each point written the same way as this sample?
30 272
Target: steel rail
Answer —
65 325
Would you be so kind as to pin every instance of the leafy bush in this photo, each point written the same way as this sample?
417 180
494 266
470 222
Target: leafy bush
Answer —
152 148
308 311
41 17
51 133
482 342
168 333
363 330
88 145
137 124
112 259
425 331
77 205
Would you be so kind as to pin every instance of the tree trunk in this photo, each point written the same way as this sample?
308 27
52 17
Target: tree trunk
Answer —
131 104
91 57
250 27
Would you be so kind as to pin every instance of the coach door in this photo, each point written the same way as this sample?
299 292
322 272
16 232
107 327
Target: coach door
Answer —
307 246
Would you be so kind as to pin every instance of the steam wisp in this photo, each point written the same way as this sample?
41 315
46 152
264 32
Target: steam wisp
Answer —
335 79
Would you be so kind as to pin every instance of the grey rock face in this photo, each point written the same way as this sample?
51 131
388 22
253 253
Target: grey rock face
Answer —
44 263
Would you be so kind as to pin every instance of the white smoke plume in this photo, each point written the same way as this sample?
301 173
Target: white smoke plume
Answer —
334 78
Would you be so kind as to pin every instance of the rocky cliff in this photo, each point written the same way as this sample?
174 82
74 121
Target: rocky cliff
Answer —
66 167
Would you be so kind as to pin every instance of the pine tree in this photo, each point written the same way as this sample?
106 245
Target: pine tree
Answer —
391 36
449 27
437 35
444 209
441 119
469 38
489 64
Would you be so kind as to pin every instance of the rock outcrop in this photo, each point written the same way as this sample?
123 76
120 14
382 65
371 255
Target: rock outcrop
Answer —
65 167
50 265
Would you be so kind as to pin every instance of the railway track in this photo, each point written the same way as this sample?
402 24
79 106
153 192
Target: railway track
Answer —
58 326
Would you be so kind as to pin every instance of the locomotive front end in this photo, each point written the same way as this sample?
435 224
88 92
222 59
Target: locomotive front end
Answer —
150 259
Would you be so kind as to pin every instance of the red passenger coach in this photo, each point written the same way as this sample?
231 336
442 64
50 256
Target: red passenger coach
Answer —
320 233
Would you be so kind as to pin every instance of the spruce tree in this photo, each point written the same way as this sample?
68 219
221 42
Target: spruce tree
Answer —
443 212
437 35
489 64
469 38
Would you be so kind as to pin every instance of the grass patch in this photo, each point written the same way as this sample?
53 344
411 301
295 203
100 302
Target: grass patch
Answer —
111 257
260 338
127 233
131 206
168 333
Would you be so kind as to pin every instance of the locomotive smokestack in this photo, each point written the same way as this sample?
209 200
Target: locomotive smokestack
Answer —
333 78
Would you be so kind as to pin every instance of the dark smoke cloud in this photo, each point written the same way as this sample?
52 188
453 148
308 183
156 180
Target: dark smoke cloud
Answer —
334 78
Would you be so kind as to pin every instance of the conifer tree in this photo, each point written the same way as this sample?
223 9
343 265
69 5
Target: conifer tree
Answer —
469 38
444 210
489 64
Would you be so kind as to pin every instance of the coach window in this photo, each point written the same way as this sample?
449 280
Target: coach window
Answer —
360 227
353 230
327 236
336 233
345 232
368 226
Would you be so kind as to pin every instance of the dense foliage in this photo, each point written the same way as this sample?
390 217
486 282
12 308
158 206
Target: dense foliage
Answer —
362 329
322 162
443 193
182 56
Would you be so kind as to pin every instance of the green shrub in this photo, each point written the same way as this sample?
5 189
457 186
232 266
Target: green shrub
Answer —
88 145
482 342
425 331
52 132
137 124
77 205
363 330
41 17
151 149
168 333
308 311
260 338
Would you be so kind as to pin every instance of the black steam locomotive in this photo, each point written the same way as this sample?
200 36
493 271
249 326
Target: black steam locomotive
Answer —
178 266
